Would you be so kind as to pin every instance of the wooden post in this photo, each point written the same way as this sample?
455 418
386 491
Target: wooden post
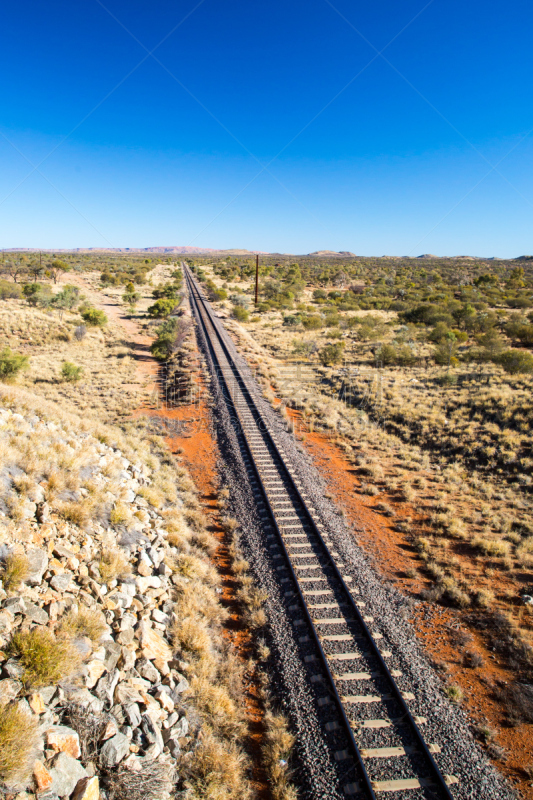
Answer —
256 278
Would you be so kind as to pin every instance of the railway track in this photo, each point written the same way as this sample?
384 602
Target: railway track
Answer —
378 744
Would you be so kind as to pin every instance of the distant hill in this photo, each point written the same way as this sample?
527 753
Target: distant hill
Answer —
333 253
180 250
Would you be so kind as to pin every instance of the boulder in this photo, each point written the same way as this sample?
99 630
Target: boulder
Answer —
35 613
66 772
9 689
36 702
133 714
41 776
87 789
114 750
153 646
37 566
61 582
62 739
152 732
148 671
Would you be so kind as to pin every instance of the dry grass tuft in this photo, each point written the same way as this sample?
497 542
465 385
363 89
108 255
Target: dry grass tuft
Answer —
277 747
85 623
18 738
112 564
14 571
216 772
120 514
46 659
79 512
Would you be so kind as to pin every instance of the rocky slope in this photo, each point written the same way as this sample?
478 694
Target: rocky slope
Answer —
112 665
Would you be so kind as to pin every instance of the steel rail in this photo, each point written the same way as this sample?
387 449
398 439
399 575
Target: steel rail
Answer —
204 312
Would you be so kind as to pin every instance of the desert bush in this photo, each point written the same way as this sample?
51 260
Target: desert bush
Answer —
80 331
239 313
71 372
18 739
162 307
11 364
331 354
46 658
455 694
312 322
387 354
291 320
94 317
9 290
516 361
151 782
14 571
120 514
216 771
491 547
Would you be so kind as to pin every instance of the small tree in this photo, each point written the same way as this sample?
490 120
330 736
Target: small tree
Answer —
66 299
445 352
71 372
56 268
11 364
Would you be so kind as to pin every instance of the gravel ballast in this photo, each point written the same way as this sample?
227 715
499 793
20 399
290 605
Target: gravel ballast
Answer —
318 775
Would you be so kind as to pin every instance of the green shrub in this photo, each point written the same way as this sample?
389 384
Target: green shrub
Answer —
312 322
71 372
516 361
162 308
291 320
94 317
11 364
387 354
8 289
169 290
331 354
37 294
162 347
217 295
240 313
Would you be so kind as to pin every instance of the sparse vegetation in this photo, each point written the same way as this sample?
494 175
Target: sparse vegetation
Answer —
14 571
18 739
11 364
71 372
46 658
113 563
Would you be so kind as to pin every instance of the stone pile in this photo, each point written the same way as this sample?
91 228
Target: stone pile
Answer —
130 687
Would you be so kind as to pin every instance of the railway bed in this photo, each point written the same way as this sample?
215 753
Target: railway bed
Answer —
366 707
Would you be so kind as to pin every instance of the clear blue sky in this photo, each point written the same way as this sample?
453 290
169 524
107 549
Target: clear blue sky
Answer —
275 126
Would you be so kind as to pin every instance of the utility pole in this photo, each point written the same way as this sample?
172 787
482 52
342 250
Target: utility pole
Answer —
256 278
